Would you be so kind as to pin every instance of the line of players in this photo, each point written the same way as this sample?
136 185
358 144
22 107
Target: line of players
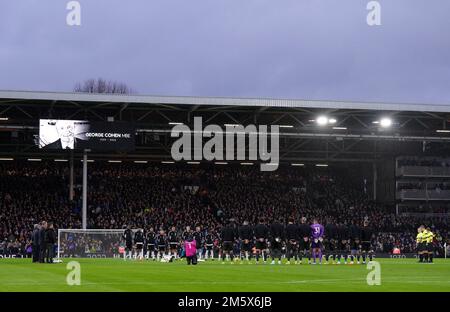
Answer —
159 245
295 241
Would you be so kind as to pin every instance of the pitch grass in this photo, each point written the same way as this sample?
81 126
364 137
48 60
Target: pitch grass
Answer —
115 275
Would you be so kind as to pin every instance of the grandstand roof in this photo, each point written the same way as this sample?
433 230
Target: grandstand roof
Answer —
355 136
222 101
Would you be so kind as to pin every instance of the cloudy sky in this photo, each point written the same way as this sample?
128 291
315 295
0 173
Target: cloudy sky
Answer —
305 49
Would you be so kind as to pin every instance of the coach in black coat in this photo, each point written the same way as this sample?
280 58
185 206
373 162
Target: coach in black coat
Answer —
50 239
35 243
42 242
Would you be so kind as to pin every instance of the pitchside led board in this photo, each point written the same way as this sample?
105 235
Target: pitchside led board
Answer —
82 134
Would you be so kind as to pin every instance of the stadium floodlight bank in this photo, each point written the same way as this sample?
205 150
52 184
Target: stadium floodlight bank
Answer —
90 243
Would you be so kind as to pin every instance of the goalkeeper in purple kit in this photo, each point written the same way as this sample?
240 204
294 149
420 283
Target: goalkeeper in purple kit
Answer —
317 232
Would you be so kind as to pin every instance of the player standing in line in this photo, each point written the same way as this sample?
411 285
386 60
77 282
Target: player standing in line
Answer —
198 237
330 242
292 241
228 237
261 235
343 243
354 241
187 233
366 242
161 241
216 244
332 250
151 244
128 237
246 237
139 243
356 250
173 242
304 242
429 240
325 249
277 239
317 232
209 244
420 244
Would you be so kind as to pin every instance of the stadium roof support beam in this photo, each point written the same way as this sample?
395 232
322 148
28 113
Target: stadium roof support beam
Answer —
23 111
422 123
278 119
360 121
163 115
122 108
85 109
50 109
345 149
294 146
212 117
146 114
6 109
342 121
301 123
231 117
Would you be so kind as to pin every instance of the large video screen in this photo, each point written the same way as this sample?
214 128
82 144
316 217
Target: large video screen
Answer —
82 134
350 50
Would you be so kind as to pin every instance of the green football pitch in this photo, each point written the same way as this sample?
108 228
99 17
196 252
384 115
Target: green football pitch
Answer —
119 275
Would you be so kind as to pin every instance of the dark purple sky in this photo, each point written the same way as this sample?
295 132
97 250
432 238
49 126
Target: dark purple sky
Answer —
305 49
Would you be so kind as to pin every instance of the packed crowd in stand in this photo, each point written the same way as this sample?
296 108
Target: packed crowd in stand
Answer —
161 196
